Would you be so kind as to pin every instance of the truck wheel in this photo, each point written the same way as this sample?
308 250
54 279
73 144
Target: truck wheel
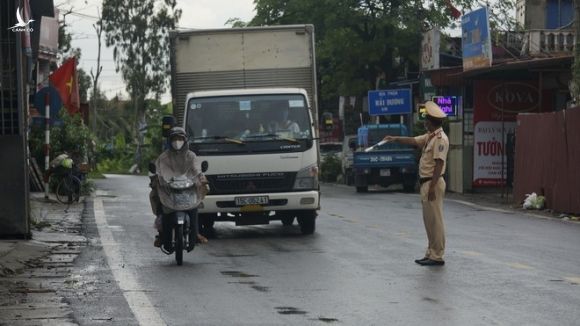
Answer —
206 223
362 189
409 187
349 177
307 222
288 221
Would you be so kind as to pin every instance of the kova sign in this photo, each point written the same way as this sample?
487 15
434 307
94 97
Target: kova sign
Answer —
496 109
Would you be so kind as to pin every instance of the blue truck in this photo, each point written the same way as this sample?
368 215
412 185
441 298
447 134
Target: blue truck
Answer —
387 164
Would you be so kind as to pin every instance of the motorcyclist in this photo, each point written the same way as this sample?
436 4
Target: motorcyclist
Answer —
175 161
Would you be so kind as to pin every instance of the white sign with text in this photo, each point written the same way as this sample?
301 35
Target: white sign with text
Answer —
489 151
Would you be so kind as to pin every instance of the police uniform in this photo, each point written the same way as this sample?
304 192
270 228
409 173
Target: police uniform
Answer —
434 146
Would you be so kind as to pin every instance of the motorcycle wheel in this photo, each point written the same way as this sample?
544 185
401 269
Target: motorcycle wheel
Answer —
191 239
179 244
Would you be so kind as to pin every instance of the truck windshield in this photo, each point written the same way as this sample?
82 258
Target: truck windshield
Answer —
252 118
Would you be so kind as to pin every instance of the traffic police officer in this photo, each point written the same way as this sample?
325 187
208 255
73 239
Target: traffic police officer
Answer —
434 145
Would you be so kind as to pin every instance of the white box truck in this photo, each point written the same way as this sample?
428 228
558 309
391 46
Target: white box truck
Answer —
247 98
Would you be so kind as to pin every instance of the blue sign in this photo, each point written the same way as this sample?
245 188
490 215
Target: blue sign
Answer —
476 40
54 101
389 102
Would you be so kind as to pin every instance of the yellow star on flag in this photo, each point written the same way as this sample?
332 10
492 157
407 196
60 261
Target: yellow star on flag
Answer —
69 84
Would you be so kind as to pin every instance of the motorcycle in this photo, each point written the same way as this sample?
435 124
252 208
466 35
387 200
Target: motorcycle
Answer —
179 219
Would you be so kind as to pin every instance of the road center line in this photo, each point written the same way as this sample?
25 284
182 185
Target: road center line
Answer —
138 301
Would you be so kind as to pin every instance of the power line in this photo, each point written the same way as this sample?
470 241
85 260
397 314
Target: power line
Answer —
78 14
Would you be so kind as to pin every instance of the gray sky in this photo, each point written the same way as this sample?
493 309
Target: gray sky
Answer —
196 14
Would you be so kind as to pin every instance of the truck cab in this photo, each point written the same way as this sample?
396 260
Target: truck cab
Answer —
387 164
262 152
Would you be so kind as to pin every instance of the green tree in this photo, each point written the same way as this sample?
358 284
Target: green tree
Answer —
138 32
84 84
236 22
359 39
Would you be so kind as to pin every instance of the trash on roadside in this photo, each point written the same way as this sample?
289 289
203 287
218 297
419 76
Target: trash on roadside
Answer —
533 201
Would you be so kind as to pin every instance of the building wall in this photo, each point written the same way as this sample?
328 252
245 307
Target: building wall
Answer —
14 211
544 14
534 15
14 190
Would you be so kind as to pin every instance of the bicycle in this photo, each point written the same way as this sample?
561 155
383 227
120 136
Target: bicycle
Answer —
68 189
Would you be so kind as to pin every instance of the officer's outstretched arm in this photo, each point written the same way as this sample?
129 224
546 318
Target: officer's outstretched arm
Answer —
401 140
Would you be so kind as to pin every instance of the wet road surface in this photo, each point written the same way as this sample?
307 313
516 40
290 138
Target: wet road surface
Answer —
502 268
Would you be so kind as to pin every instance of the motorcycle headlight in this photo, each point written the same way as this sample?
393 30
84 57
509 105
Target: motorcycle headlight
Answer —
182 185
307 178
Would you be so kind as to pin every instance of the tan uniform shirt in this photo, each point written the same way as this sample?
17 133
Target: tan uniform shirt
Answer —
435 146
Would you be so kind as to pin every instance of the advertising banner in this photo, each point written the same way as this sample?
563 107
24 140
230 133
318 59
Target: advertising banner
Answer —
476 40
430 49
489 155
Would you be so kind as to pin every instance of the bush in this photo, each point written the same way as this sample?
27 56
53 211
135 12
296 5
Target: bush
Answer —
118 165
330 168
73 137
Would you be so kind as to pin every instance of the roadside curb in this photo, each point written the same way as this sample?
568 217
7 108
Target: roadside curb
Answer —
479 205
34 273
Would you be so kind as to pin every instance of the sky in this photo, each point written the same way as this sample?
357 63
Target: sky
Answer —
196 14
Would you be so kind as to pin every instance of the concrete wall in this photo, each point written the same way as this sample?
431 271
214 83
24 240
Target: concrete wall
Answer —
535 14
14 205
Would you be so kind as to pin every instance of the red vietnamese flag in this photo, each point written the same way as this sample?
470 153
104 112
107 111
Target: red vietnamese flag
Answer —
64 79
453 11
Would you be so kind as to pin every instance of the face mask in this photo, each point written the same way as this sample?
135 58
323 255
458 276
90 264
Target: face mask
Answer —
177 144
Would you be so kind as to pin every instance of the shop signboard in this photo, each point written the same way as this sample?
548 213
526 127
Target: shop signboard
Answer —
495 111
476 40
430 49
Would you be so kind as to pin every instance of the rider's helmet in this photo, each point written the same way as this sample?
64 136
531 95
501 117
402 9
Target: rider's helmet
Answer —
177 138
177 132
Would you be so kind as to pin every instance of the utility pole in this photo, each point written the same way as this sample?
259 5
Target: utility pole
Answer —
93 117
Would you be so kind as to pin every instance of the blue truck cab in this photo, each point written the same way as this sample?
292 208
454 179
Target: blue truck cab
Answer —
387 164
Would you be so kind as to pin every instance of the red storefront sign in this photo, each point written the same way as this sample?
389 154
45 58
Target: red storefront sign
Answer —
497 100
496 106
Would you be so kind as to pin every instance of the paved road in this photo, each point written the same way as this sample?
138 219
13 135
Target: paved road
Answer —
502 268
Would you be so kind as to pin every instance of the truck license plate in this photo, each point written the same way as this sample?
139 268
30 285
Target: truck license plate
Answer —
385 172
251 200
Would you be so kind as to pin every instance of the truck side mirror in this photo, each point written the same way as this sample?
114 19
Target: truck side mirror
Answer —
204 166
